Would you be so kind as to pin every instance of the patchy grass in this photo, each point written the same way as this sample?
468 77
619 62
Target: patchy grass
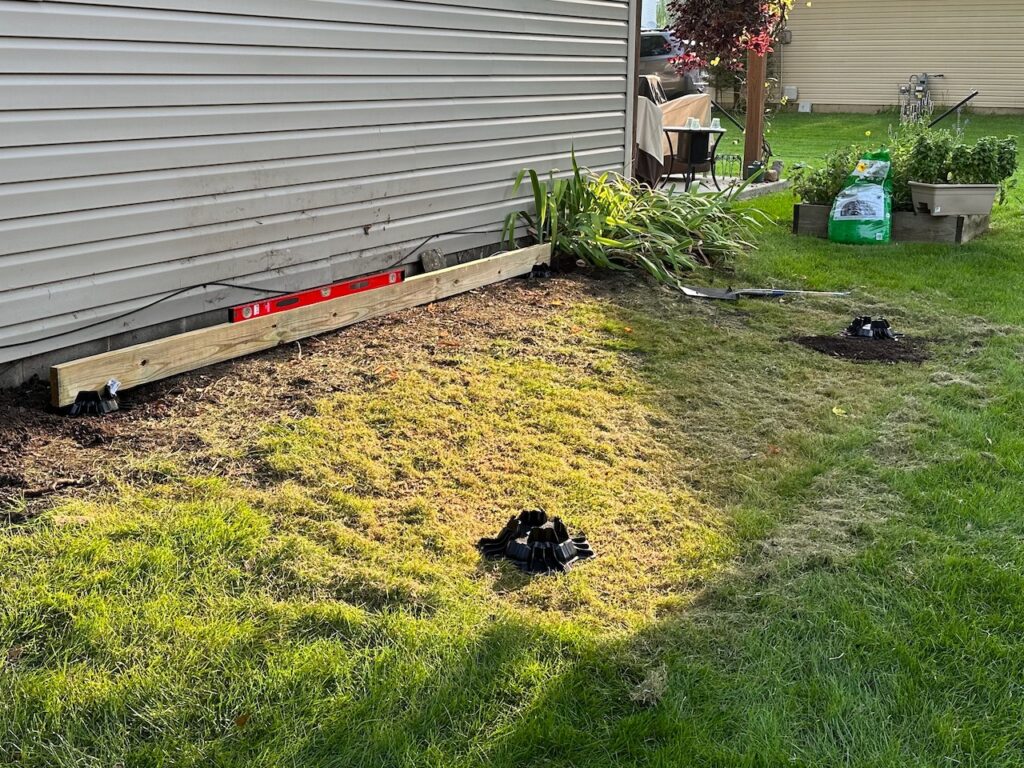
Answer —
318 597
802 560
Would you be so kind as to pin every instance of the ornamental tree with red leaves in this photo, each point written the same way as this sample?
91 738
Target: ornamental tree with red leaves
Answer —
724 31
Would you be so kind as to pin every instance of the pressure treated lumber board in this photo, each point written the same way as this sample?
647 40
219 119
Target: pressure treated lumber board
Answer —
156 360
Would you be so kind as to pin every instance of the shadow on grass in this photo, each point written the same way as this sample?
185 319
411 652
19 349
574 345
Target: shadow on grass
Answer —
872 614
732 673
742 644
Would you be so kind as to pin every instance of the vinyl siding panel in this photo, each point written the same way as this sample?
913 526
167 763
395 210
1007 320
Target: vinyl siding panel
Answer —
858 52
149 148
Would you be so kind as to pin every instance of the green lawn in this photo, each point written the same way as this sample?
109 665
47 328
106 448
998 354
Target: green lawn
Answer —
802 561
797 138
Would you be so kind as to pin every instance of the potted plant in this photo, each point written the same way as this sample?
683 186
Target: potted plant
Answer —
948 178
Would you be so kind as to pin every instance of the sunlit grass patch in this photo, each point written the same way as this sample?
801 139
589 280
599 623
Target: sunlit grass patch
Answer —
438 457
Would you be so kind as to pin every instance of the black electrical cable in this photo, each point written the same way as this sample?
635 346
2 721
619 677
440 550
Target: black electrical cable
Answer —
432 238
265 291
131 312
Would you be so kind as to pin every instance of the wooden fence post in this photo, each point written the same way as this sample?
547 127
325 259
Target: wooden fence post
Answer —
757 71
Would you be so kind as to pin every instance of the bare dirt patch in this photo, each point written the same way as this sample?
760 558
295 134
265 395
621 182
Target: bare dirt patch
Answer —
862 350
43 453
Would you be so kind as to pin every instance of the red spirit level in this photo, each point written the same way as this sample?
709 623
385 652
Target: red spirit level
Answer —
315 296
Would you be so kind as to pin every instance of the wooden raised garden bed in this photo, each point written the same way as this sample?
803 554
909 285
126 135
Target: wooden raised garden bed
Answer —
906 227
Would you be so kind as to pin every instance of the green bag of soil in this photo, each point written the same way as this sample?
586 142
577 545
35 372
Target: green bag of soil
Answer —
862 213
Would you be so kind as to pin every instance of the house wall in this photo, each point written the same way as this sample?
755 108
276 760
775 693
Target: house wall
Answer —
855 53
150 147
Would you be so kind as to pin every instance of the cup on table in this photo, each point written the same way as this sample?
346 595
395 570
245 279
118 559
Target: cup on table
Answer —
693 123
716 124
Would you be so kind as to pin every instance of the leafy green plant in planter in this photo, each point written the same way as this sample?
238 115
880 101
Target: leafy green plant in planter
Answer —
901 145
820 186
990 161
919 154
1008 157
948 177
928 156
612 223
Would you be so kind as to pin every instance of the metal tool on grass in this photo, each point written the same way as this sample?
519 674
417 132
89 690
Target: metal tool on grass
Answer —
734 294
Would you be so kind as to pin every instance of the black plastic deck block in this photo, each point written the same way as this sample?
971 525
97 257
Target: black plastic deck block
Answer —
537 544
97 403
92 404
865 327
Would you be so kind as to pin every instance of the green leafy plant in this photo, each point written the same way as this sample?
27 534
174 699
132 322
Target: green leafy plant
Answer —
918 154
928 159
990 161
612 223
1008 157
901 145
821 186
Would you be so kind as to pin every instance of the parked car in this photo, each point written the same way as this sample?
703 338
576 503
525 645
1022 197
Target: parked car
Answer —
658 49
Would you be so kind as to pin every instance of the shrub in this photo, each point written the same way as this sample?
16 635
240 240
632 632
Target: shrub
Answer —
821 186
613 223
990 161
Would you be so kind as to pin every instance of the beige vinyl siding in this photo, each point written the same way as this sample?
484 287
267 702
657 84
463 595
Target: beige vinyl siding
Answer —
856 52
152 146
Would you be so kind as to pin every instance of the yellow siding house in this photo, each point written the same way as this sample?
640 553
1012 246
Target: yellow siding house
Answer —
852 55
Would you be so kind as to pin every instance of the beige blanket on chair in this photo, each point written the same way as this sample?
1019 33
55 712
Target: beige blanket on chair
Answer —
678 111
649 165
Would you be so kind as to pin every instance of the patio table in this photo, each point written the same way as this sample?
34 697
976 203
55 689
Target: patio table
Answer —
694 149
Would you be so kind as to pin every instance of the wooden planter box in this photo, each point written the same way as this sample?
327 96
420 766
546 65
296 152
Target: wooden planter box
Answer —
906 227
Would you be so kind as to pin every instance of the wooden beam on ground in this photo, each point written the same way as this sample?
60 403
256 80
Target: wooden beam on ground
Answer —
757 72
156 360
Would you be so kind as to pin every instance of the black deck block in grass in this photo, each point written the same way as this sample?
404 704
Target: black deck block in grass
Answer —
537 544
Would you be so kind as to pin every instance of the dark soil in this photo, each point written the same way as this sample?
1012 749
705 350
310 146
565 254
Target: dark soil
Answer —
863 350
45 456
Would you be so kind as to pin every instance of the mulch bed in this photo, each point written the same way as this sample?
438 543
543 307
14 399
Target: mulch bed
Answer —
863 350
